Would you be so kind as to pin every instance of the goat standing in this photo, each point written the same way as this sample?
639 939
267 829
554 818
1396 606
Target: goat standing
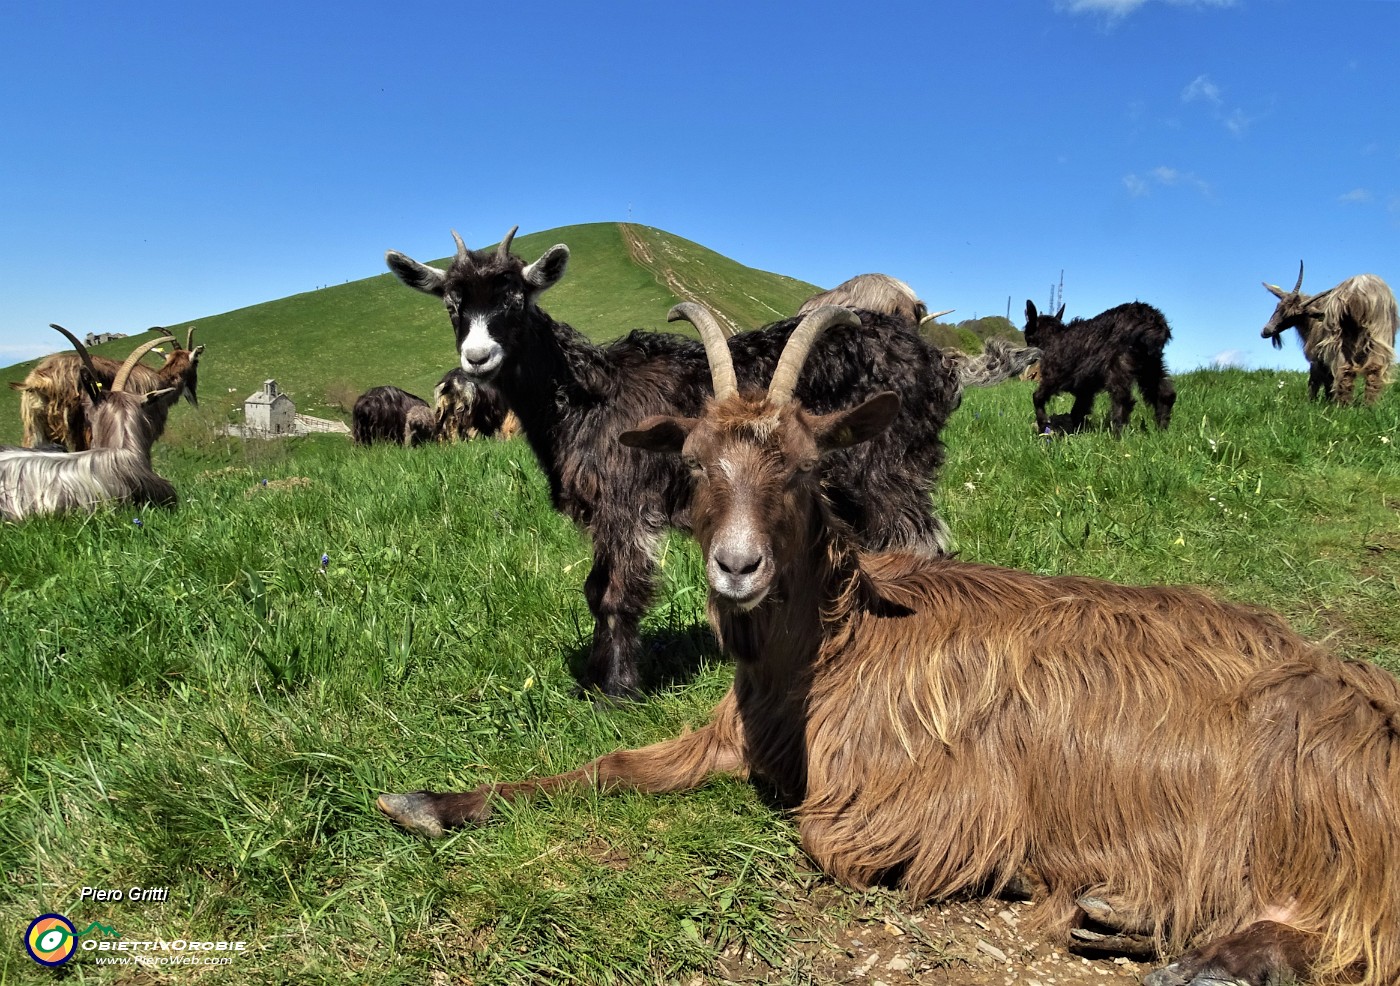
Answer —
1106 352
573 398
1346 331
466 410
51 406
1192 768
124 422
389 414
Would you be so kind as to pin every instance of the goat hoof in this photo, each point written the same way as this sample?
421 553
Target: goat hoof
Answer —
1179 974
1085 941
413 812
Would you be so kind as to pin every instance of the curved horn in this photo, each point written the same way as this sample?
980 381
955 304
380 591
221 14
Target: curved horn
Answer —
189 338
716 346
799 344
503 251
1298 287
461 247
119 381
933 315
82 352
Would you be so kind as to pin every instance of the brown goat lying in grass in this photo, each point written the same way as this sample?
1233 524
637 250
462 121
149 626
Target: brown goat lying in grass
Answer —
1189 769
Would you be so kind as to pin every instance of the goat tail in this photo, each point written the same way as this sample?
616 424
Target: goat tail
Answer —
1322 752
998 361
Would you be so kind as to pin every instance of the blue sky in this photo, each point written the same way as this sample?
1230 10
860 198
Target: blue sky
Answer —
161 162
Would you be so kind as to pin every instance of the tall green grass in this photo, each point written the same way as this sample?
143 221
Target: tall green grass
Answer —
193 700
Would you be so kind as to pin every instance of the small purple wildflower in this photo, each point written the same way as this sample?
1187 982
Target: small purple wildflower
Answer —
138 522
264 482
325 560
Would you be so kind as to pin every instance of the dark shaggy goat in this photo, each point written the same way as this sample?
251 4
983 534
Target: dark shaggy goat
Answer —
1346 331
574 398
388 414
1106 352
876 293
124 421
51 407
1192 771
467 410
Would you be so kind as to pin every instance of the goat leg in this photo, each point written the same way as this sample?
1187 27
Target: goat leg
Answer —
673 765
1266 952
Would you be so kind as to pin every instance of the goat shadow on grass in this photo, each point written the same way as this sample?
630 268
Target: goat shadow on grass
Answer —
671 656
1061 424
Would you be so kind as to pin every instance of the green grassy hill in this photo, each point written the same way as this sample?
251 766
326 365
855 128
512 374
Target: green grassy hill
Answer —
325 344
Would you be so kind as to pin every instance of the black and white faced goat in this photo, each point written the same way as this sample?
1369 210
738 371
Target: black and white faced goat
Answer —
574 398
116 469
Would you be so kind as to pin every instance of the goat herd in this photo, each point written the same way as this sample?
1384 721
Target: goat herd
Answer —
1163 773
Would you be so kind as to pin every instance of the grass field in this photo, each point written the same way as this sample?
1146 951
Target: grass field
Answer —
209 699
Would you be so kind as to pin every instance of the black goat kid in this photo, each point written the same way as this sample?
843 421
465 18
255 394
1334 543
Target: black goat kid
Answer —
1107 352
574 398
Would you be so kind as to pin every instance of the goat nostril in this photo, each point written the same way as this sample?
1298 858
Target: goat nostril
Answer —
738 565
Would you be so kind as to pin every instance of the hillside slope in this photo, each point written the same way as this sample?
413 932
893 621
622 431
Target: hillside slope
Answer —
324 344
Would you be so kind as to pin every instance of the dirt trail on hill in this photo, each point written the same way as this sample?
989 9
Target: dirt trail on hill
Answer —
666 275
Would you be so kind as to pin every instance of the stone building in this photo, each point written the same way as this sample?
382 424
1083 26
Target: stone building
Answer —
270 411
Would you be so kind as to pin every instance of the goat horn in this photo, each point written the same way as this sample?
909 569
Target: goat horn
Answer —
799 344
119 381
716 345
82 351
1299 286
189 338
461 247
503 251
933 315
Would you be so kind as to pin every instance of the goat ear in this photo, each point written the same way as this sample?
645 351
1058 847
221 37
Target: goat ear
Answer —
659 433
1031 313
842 429
156 395
1060 315
1273 289
547 271
418 276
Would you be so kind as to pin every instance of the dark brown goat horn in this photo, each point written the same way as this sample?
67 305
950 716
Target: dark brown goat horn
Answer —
503 251
716 346
119 381
461 247
82 352
799 344
1299 286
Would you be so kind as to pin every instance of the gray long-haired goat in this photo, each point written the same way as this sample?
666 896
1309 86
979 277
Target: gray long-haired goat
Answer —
1346 331
117 468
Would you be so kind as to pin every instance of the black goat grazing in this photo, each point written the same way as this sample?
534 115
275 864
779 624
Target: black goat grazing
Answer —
124 421
467 410
574 398
388 414
1106 352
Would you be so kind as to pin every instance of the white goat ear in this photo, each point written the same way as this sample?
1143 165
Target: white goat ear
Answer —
659 433
842 429
549 269
418 276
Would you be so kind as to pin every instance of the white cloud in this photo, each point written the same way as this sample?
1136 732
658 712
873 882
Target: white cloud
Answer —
1201 88
1164 177
1230 357
1116 9
1357 196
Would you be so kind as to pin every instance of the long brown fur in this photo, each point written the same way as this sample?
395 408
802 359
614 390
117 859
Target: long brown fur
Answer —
949 725
50 403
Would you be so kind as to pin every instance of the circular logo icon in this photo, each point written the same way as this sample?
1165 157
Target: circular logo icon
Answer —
51 939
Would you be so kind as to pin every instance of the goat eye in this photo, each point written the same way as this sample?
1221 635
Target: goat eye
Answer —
807 465
692 463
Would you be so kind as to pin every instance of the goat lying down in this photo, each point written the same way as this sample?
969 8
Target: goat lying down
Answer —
117 468
1192 768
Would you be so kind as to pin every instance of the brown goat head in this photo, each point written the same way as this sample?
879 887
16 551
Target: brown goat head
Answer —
754 458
